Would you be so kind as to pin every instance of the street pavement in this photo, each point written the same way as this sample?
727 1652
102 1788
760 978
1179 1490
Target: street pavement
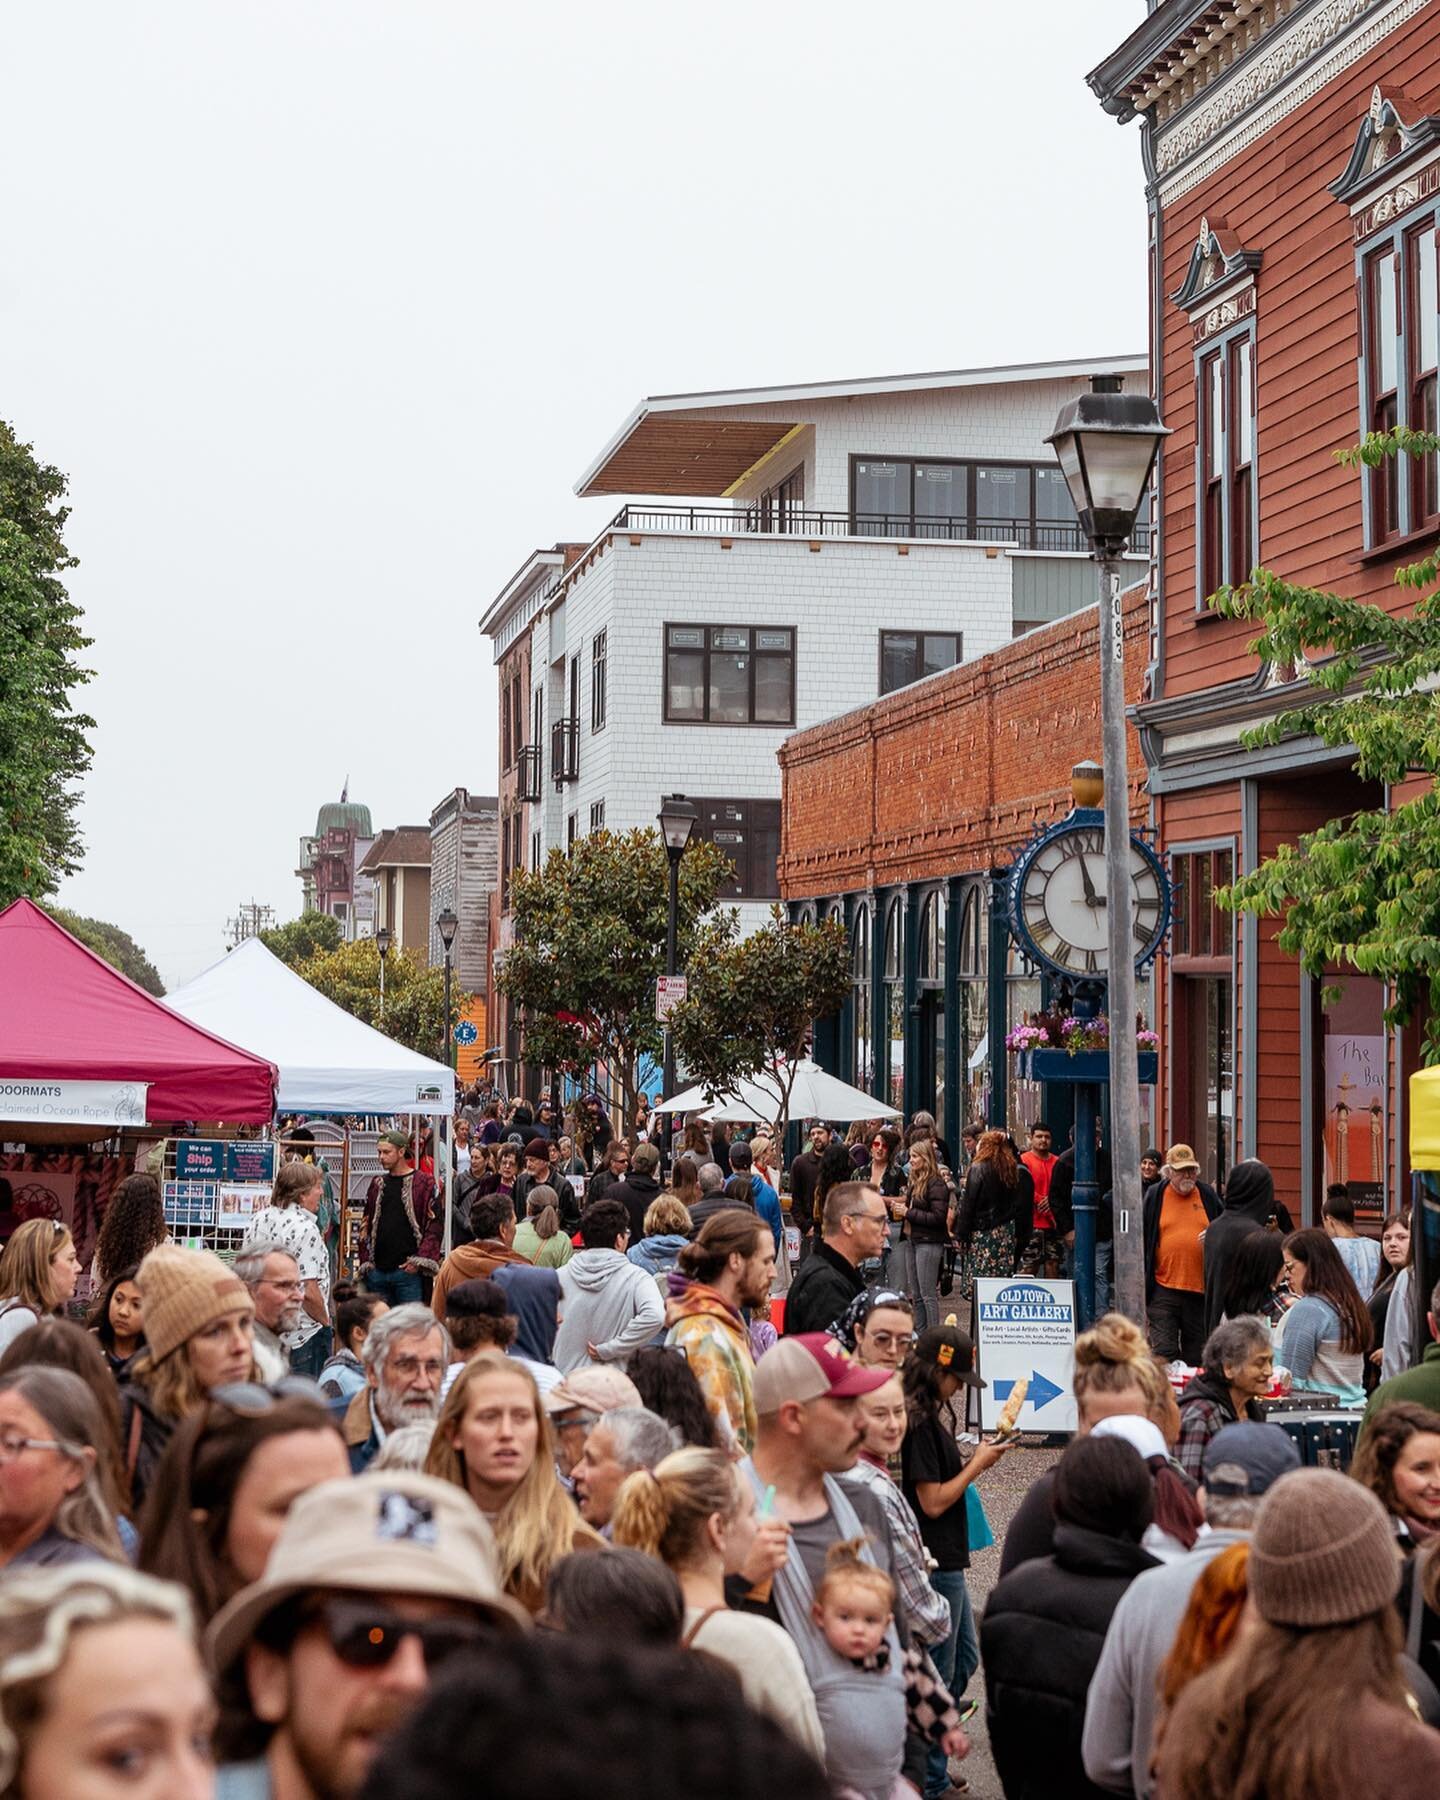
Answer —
1002 1489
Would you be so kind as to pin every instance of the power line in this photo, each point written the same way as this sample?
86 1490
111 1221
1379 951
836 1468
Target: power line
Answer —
251 918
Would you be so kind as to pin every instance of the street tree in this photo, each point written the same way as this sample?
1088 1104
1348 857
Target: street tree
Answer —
44 749
312 934
414 993
752 1005
589 946
117 947
1363 890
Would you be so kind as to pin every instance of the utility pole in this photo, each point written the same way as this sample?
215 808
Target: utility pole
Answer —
251 918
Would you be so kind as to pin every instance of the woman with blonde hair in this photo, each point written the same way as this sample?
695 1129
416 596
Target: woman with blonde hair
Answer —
698 1517
493 1439
923 1216
1115 1374
538 1236
38 1272
102 1691
199 1320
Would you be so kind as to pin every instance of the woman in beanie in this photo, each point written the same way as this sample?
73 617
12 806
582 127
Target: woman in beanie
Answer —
1311 1701
198 1323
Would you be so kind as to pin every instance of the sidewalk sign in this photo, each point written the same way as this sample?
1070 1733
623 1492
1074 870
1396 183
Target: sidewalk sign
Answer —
1024 1327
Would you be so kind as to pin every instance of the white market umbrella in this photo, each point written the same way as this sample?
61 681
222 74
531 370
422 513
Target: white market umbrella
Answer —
691 1099
814 1095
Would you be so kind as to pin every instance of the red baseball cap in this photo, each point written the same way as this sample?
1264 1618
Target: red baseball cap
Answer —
811 1367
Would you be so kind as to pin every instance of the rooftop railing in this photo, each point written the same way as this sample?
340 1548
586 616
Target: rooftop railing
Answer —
792 521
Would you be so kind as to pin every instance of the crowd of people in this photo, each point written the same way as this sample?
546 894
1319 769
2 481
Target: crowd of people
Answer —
619 1496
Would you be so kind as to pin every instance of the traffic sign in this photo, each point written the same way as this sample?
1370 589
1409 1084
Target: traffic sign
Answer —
670 990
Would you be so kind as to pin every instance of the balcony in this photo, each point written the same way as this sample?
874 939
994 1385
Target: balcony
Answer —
564 751
528 776
1056 535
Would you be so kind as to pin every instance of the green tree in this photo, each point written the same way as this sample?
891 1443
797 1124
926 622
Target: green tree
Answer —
752 1005
414 993
117 947
312 934
590 945
44 749
1364 889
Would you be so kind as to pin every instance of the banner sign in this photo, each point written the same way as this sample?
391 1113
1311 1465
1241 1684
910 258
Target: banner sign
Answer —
74 1102
199 1159
1025 1330
236 1206
188 1205
250 1160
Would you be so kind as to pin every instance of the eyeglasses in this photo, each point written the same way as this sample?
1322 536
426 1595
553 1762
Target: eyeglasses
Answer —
875 1218
892 1340
12 1446
283 1287
408 1367
365 1636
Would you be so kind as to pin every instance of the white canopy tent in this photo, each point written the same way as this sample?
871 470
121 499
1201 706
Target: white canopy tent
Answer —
815 1095
329 1061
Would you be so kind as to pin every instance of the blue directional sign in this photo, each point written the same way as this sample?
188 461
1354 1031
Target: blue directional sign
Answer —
1040 1392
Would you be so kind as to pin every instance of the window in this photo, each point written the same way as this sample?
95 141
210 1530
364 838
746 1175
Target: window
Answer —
537 717
1225 461
1400 345
597 682
729 675
1027 503
1203 992
862 1049
572 831
1383 361
535 852
782 506
748 832
507 745
907 655
893 1005
597 815
1202 928
1422 339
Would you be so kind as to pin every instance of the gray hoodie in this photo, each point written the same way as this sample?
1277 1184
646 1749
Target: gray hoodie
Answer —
607 1301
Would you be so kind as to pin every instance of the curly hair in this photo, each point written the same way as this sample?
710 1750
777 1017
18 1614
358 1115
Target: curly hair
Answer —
133 1225
668 1386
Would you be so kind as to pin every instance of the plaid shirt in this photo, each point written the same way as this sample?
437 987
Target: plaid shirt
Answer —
926 1613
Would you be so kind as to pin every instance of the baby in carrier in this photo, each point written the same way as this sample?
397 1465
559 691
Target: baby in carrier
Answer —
854 1612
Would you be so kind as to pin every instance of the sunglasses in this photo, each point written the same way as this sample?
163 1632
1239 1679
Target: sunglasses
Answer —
367 1636
251 1399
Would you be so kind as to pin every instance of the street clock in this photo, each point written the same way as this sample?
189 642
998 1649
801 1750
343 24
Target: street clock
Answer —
1058 898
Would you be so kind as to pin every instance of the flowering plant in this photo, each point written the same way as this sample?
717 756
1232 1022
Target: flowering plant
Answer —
1054 1031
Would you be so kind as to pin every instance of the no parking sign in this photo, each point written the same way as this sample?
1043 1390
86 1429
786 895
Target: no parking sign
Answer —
1025 1330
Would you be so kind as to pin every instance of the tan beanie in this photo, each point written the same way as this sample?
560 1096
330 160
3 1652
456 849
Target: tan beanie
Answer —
1322 1553
184 1291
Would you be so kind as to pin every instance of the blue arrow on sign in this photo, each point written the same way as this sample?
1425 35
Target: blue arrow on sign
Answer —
1040 1393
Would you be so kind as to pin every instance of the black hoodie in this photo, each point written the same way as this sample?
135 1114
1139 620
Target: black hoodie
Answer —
1249 1205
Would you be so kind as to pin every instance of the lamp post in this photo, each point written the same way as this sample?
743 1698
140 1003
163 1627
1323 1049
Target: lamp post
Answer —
447 925
678 818
382 944
1106 443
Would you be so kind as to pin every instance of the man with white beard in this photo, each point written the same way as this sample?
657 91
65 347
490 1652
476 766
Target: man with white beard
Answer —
273 1278
405 1354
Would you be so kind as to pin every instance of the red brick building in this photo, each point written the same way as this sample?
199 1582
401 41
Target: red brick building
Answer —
899 819
1292 160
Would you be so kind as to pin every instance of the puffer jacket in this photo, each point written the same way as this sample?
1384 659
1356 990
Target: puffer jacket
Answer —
925 1219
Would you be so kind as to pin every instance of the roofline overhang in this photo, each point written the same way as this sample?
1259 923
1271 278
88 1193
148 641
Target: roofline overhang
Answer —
1109 79
530 572
721 398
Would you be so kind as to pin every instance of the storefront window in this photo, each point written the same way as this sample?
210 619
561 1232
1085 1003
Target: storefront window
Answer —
975 1056
894 1003
1353 1133
862 1046
1022 983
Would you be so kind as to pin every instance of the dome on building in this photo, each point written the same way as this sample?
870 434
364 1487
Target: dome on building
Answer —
344 815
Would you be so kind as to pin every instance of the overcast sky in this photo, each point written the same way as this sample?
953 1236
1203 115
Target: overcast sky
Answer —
324 307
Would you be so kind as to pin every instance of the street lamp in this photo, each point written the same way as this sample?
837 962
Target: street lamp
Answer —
382 944
447 925
1106 443
678 818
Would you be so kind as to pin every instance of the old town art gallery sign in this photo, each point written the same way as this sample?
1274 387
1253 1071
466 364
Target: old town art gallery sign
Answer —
74 1102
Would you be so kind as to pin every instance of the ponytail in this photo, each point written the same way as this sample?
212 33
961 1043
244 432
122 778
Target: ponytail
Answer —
640 1518
664 1513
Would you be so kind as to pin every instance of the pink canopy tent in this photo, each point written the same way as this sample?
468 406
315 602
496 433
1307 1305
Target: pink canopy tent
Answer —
67 1016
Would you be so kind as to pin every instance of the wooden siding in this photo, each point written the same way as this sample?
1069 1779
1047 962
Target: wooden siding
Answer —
1273 197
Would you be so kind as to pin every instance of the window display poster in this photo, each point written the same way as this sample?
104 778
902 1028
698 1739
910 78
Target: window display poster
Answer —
1354 1132
199 1159
250 1160
237 1206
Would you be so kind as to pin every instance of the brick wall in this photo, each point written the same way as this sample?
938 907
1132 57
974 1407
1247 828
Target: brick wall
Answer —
954 772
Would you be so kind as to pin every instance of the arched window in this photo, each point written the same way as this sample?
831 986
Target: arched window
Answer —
976 1059
932 939
862 1044
894 1003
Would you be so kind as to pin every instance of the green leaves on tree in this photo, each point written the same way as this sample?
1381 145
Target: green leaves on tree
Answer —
117 947
1363 891
314 933
44 749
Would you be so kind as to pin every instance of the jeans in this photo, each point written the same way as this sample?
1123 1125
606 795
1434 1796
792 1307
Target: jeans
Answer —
956 1659
915 1270
313 1354
1104 1265
394 1286
1177 1324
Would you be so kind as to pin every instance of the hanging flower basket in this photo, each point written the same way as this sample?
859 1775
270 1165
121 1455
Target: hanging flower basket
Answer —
1062 1047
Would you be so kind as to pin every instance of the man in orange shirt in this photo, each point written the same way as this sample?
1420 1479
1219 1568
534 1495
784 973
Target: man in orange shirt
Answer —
1178 1208
1040 1161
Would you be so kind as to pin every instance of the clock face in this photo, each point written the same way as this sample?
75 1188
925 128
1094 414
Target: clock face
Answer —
1061 903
